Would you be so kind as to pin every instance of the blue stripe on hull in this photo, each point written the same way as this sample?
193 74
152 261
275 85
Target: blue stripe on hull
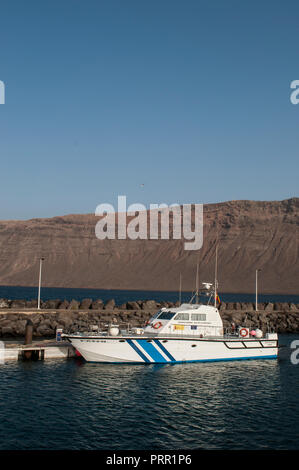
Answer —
140 353
164 350
151 351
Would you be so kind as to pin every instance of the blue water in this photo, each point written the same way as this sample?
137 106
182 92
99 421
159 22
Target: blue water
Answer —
77 405
47 293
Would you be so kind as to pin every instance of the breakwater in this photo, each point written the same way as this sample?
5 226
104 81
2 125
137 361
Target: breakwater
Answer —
82 316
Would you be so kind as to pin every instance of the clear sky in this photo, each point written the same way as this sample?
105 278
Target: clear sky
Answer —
189 97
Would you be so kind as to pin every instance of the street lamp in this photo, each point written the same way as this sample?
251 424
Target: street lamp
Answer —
39 281
256 276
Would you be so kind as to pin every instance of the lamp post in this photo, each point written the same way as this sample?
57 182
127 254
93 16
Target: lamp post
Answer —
256 278
39 281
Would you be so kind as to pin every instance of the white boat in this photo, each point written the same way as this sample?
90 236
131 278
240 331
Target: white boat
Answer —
188 333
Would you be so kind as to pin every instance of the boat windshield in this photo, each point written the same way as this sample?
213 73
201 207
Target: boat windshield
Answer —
166 315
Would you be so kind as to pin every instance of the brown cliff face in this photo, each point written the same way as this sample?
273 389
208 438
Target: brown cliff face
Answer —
251 235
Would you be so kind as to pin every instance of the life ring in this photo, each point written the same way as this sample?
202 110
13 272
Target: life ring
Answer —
243 332
157 325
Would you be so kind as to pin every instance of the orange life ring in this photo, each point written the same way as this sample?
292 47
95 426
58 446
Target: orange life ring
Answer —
157 325
245 332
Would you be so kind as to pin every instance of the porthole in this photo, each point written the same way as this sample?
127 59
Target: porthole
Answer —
193 345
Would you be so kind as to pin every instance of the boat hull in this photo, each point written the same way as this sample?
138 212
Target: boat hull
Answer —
158 350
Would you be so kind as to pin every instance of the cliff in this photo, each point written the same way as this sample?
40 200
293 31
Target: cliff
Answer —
251 235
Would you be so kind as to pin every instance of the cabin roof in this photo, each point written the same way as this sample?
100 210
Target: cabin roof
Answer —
185 307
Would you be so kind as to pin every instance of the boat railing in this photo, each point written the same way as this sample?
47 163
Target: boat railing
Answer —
99 328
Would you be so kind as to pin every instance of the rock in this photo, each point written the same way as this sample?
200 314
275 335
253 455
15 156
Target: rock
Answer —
4 303
285 307
97 305
277 306
46 323
133 306
73 305
293 307
65 319
20 327
85 304
230 306
222 306
52 304
4 321
149 305
31 303
269 307
7 331
261 306
63 305
237 306
110 304
44 331
36 318
237 317
247 306
16 304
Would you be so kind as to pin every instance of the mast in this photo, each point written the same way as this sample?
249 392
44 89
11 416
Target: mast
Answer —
180 289
216 282
197 285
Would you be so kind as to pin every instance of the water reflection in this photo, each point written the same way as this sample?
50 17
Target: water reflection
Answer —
186 402
78 405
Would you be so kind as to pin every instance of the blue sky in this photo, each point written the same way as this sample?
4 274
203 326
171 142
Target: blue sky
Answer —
189 98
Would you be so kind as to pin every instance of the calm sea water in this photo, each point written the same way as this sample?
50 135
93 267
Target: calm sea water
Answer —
121 296
77 405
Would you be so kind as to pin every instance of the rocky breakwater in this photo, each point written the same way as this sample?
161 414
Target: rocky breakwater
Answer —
91 314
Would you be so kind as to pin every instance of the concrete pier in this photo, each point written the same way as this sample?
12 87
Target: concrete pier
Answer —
41 350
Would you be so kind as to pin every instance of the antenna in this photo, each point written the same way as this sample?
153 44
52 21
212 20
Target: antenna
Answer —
197 284
180 290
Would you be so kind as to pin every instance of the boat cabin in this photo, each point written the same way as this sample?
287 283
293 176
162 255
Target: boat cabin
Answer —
187 320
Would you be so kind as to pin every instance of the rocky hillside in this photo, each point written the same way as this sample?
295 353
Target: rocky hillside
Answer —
251 235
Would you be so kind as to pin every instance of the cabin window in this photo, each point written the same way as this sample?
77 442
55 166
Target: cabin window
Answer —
198 317
182 316
166 315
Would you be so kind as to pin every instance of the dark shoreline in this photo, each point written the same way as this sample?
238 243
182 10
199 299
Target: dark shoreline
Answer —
121 296
102 289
